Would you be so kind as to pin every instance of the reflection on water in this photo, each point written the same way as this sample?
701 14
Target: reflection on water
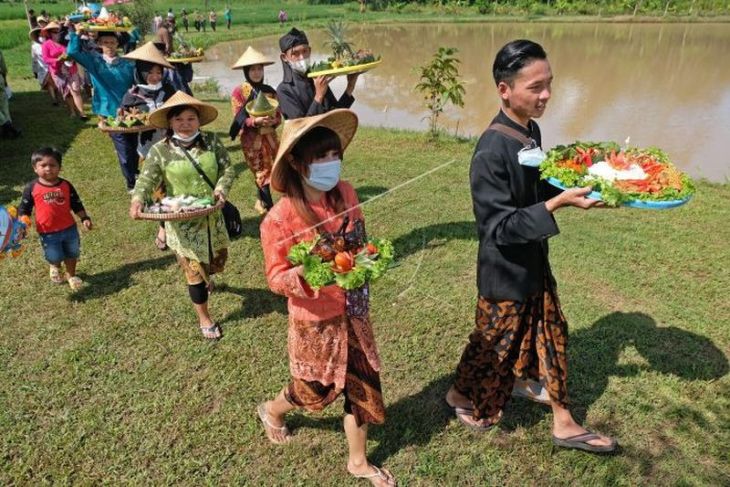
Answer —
662 85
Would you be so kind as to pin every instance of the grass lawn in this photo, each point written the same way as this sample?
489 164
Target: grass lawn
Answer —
115 383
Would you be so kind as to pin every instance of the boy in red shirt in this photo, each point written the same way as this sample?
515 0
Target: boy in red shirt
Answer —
54 199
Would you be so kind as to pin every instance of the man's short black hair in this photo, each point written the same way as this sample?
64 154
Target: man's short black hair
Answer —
513 57
46 152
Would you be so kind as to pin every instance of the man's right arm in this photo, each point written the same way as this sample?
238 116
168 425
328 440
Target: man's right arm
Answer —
74 51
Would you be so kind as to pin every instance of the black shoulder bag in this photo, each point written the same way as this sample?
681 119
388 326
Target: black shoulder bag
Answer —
231 215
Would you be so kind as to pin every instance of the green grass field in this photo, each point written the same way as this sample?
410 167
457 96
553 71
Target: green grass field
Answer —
114 384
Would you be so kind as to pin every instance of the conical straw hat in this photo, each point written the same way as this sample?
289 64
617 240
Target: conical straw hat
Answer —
52 26
250 57
34 33
149 53
342 121
261 106
206 111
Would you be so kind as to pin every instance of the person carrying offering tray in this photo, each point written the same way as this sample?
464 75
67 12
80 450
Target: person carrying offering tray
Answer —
521 332
255 118
190 163
300 96
111 76
332 349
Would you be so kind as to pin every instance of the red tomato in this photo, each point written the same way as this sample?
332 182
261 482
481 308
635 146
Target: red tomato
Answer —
344 261
372 249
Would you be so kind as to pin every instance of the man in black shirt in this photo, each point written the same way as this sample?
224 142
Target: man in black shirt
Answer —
521 333
300 96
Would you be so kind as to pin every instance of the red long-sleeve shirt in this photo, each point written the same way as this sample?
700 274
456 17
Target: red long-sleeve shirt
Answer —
53 205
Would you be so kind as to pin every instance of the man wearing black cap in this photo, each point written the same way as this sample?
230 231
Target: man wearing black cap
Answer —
300 96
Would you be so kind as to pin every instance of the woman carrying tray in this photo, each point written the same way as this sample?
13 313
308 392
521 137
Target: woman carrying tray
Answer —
300 96
111 76
331 346
64 72
520 330
257 130
201 244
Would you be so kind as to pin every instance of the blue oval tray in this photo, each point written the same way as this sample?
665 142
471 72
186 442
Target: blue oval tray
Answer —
647 205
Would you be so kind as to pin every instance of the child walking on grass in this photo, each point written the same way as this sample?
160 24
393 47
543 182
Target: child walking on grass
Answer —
331 346
54 200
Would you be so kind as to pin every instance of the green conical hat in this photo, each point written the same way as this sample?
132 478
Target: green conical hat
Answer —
261 106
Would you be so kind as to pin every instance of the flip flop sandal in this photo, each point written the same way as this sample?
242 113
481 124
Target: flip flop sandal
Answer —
264 417
214 330
74 282
580 442
161 244
380 473
461 412
55 275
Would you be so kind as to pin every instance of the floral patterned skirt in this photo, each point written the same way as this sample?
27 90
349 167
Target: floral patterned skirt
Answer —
259 150
523 339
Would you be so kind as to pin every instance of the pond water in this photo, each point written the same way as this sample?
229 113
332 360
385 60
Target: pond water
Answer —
664 85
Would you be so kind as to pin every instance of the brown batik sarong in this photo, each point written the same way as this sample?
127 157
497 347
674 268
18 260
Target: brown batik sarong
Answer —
523 339
363 396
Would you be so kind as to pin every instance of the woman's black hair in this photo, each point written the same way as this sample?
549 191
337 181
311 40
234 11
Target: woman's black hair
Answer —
316 143
513 57
107 33
174 112
46 152
142 69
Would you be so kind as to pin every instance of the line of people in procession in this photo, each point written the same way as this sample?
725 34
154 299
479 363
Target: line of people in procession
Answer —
519 342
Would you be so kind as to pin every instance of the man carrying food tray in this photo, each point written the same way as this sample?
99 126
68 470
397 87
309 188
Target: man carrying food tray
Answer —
520 333
300 96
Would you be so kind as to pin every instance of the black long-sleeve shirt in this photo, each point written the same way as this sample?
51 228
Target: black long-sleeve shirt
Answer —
512 221
296 97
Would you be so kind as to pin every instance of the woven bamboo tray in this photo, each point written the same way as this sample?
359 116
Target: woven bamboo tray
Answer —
358 68
182 215
106 28
126 130
195 59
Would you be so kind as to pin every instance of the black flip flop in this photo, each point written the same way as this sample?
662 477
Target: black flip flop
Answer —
214 328
580 442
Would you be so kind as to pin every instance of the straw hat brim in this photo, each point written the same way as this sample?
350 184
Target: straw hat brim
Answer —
252 57
342 121
206 112
149 53
36 31
51 26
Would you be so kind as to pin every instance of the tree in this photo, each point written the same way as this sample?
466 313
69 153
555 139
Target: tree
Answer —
440 84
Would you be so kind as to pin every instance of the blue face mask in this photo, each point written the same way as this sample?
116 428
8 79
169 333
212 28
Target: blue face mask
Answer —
324 176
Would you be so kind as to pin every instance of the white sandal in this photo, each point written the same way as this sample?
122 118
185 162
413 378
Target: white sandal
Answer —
264 417
380 473
74 282
54 273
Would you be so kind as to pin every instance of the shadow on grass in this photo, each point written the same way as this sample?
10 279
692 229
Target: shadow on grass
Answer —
364 193
432 236
53 128
256 302
112 281
594 358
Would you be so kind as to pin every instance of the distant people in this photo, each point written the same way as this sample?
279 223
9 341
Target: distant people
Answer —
7 129
38 66
185 21
156 22
283 17
32 19
228 16
213 19
170 15
64 71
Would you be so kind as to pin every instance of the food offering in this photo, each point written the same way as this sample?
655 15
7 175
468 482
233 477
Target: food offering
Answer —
179 208
185 52
128 121
13 231
348 259
262 106
344 59
639 178
108 22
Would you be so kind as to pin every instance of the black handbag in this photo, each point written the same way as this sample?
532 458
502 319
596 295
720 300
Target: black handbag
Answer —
231 215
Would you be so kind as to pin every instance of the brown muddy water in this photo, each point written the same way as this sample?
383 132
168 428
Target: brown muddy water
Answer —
664 85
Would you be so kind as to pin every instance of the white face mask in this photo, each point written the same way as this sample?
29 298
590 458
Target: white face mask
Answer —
154 87
324 176
301 66
185 140
531 157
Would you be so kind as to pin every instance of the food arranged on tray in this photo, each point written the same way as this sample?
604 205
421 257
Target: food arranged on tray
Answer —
180 204
132 118
344 58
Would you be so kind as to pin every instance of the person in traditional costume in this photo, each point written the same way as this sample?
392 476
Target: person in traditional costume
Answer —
38 66
64 71
520 331
255 118
331 345
180 160
111 76
300 96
